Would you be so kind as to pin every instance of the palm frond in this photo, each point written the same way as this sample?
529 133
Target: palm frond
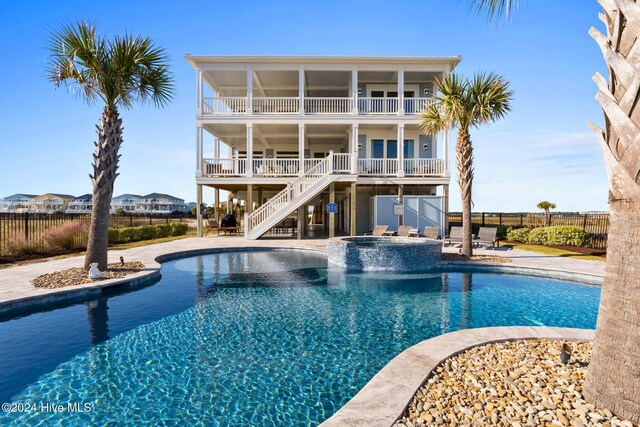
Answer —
495 9
490 97
119 71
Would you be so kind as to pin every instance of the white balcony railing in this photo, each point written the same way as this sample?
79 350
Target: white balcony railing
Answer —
237 105
224 167
378 167
417 105
341 163
266 168
424 167
377 105
276 105
275 167
225 105
325 105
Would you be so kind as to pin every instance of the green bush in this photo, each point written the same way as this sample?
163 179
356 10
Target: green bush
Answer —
502 231
520 235
565 235
163 230
148 232
538 236
114 235
179 228
130 234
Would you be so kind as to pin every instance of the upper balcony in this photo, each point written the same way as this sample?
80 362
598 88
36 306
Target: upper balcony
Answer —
312 106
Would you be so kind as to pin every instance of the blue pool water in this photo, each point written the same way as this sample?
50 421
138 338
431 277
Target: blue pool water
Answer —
252 339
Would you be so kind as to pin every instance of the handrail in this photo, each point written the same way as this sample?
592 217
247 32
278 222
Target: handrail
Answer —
293 190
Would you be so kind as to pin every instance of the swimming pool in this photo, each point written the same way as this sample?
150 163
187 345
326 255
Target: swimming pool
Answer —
251 338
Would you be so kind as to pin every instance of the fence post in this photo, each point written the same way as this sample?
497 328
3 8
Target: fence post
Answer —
167 220
150 220
549 220
500 218
584 223
130 220
26 226
483 219
521 219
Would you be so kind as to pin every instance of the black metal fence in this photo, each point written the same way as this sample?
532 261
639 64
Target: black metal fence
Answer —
31 228
596 224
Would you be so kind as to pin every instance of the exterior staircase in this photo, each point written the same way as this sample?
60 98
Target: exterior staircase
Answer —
297 193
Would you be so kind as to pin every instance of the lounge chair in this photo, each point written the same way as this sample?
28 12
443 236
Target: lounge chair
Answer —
378 230
487 235
431 232
403 230
455 236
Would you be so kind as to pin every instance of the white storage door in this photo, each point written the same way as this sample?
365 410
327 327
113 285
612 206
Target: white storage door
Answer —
384 212
424 211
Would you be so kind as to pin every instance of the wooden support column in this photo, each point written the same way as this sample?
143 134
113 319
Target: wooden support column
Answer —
199 210
401 200
229 203
445 190
249 202
332 216
352 215
259 203
301 222
216 202
300 149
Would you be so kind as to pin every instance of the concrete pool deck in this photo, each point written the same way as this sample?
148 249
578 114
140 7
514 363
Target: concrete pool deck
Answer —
17 292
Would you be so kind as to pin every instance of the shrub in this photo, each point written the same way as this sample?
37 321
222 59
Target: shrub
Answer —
520 235
179 228
163 230
66 237
148 232
130 234
21 246
502 231
538 236
565 235
114 235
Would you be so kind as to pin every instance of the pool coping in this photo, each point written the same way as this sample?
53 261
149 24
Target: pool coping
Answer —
385 397
49 298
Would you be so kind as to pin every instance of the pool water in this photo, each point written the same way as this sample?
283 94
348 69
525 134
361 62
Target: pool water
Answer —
271 338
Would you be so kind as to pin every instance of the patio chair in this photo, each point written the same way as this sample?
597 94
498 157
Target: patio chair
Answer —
378 230
487 235
403 230
212 226
431 232
455 236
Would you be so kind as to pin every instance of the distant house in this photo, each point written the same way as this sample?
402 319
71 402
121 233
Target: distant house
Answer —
81 204
159 203
51 202
17 203
127 202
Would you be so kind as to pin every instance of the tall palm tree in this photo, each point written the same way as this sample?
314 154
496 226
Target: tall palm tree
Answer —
466 104
117 72
613 381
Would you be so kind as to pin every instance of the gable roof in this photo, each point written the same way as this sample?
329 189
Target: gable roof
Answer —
20 196
127 196
84 197
161 196
63 196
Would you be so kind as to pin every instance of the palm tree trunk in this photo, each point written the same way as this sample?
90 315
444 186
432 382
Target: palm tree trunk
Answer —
464 162
105 165
613 380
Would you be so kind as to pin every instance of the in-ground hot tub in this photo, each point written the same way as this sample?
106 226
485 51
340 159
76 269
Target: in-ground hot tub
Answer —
372 253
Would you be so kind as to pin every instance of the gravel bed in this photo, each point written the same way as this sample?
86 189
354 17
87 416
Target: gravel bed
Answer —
475 258
78 276
516 383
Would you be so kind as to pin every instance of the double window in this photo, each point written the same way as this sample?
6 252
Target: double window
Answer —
379 147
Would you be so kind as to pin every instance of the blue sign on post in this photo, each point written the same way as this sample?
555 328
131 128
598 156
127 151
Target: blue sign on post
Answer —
332 208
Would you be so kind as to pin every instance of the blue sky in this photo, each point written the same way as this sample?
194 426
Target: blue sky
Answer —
541 151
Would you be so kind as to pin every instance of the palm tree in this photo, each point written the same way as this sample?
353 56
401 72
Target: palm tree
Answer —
546 207
466 104
612 381
117 72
